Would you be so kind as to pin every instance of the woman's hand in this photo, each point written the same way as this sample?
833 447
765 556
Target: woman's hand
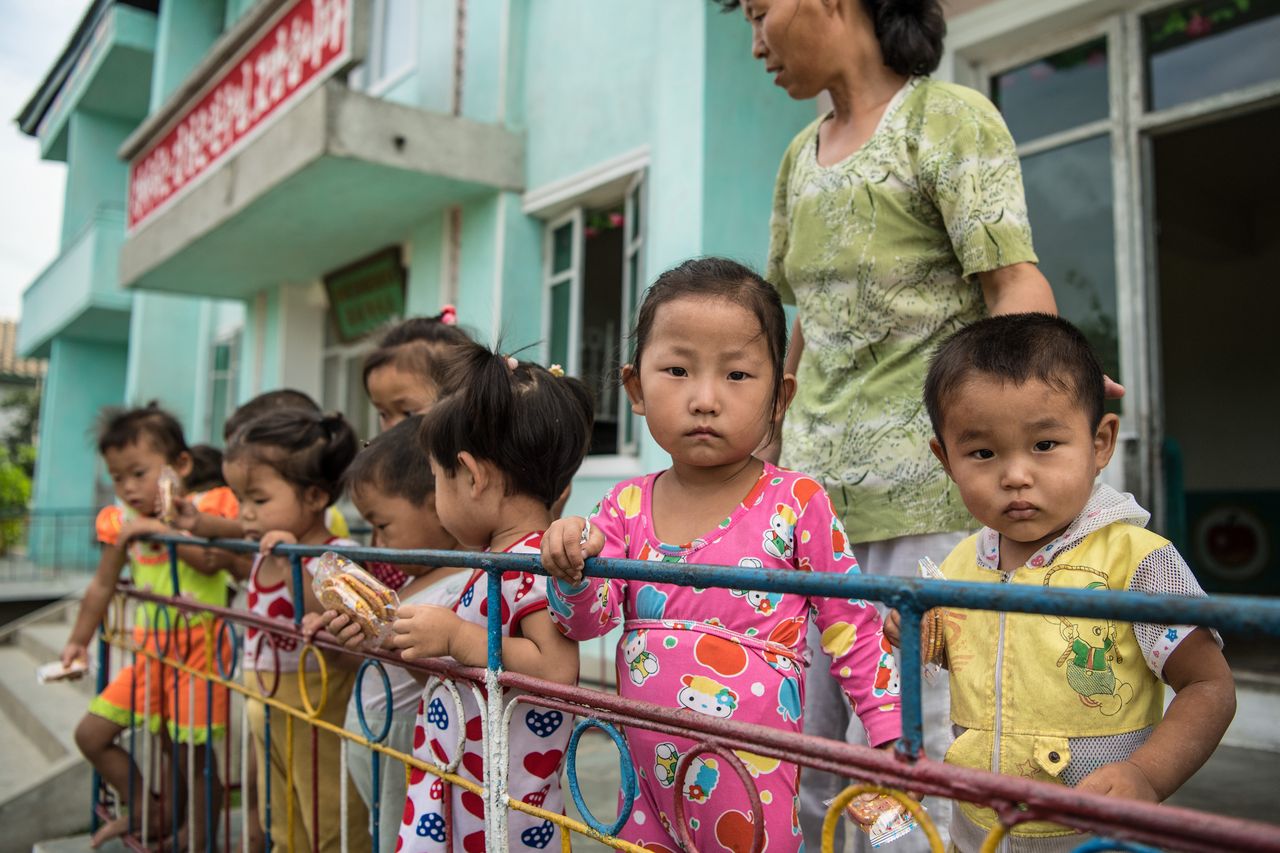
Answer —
274 538
566 546
423 631
343 628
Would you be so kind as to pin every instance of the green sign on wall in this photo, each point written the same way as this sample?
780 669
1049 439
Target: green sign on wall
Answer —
367 294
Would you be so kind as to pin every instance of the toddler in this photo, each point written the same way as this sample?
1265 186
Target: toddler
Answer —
1016 403
286 468
502 447
391 484
406 373
707 376
136 445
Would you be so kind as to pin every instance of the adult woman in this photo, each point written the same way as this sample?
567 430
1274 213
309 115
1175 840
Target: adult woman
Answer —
898 217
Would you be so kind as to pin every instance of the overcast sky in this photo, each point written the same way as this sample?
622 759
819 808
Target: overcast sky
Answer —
31 38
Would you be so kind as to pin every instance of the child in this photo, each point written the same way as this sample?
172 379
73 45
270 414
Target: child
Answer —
391 484
406 373
135 446
707 376
503 447
1017 412
206 469
286 468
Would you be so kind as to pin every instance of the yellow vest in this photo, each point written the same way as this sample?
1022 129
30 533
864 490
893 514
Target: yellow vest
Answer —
1030 682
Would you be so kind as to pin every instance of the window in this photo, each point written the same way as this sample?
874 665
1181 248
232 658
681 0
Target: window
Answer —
592 272
344 383
393 47
224 384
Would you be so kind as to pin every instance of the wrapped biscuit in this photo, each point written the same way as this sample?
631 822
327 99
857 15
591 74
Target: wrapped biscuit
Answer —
882 818
343 586
933 640
168 487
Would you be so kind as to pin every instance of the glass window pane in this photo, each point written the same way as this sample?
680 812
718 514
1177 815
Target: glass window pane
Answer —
1055 93
560 324
398 37
633 228
331 380
562 248
219 393
222 357
1199 49
1069 198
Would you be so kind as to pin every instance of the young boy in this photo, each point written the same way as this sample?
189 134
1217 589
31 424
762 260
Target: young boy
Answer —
1017 412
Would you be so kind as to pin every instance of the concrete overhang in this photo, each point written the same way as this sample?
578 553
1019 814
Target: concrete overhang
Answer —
337 175
105 68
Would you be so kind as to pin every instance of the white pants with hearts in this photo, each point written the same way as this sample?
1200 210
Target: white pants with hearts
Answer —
537 740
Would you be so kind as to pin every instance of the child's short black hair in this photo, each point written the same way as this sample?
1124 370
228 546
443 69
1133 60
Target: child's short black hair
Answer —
535 427
720 278
418 345
1016 348
206 469
305 448
393 463
119 428
270 401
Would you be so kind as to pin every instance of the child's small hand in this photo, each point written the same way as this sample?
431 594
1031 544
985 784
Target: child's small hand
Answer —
73 652
312 624
423 631
893 628
274 538
567 544
142 527
1120 779
185 514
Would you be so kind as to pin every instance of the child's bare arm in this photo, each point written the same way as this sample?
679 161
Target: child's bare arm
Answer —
425 631
197 523
97 597
1191 729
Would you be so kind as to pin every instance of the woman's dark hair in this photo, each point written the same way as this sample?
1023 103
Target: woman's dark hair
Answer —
910 32
120 428
1016 348
393 464
206 469
720 278
305 448
269 401
534 426
419 346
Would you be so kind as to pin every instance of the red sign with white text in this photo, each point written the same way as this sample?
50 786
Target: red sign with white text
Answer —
308 40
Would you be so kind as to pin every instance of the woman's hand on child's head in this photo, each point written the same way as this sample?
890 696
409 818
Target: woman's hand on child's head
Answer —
423 631
1120 779
274 538
565 549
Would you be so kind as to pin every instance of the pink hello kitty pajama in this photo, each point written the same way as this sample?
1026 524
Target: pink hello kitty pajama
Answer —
734 654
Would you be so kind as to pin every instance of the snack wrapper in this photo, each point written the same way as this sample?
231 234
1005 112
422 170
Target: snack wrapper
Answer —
344 586
882 818
55 671
168 485
933 642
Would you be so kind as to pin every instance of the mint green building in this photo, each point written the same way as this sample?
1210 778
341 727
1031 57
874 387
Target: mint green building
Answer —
532 163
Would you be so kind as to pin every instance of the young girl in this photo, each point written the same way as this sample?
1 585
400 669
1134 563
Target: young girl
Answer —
392 487
136 445
503 447
707 376
286 468
406 373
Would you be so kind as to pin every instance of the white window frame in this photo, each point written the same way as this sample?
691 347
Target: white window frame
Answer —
234 341
362 78
634 201
345 354
975 40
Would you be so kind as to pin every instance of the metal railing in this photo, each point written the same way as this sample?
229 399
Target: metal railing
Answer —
38 543
1126 824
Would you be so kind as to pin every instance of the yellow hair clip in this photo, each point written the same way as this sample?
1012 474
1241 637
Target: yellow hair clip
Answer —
556 370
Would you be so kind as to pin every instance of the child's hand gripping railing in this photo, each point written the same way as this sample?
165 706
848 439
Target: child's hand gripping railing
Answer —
1015 800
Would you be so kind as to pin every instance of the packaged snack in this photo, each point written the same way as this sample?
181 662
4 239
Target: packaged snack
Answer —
168 485
883 818
341 585
933 639
55 671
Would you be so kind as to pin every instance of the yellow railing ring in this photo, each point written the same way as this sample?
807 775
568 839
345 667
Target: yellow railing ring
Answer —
846 796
